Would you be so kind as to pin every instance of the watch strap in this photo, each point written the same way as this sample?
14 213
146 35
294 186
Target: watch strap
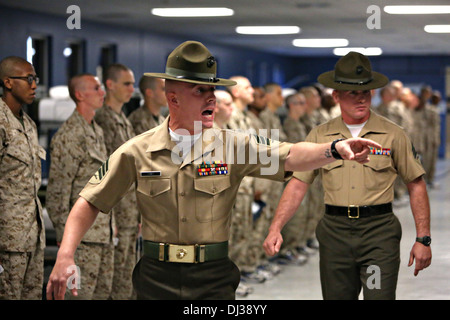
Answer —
334 152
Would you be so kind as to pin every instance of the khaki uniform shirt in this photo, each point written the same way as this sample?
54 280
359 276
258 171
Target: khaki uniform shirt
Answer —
77 150
350 183
177 203
142 120
117 130
21 219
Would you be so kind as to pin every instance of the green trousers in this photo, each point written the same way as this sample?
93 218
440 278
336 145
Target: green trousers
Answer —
359 253
156 280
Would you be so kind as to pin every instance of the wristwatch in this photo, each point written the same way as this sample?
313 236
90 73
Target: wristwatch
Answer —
426 240
334 152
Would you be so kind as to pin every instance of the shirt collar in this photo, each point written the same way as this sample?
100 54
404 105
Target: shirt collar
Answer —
373 125
209 140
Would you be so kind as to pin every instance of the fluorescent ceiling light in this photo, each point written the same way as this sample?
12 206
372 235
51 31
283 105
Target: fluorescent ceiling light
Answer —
437 28
423 9
320 43
192 12
370 51
267 30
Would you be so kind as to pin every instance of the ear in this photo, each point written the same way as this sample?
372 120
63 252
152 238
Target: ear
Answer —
148 92
78 95
7 83
335 95
109 84
172 99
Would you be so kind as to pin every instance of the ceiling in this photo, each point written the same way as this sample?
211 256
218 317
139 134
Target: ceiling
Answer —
397 35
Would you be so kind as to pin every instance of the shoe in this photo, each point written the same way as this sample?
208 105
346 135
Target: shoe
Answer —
252 277
291 258
243 290
313 244
265 273
271 267
306 250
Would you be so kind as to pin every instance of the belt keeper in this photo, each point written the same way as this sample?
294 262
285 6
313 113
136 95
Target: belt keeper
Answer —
162 251
200 250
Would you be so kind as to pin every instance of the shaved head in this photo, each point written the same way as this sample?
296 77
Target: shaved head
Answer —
10 65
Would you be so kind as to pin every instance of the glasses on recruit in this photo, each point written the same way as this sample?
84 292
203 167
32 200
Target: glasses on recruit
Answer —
28 79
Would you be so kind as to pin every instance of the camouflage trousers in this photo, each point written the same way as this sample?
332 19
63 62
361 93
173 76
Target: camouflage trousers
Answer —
21 275
293 231
124 261
241 233
96 263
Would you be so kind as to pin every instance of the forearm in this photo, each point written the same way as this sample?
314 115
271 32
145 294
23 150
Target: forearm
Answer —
289 202
305 156
420 206
80 219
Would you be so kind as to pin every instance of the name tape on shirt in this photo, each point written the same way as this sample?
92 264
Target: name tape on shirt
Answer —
150 173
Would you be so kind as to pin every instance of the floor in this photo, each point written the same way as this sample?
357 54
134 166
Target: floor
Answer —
433 283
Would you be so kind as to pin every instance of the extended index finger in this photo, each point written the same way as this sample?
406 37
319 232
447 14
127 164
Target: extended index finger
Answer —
370 143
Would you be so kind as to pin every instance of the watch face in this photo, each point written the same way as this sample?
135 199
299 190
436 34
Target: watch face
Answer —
426 240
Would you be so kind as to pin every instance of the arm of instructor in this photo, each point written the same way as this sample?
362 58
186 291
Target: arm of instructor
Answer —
80 219
305 156
420 208
290 200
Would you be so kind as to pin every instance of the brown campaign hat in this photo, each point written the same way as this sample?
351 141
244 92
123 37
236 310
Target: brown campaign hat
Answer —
353 72
192 62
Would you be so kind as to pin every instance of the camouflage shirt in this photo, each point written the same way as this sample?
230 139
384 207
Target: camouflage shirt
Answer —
142 120
21 220
117 130
77 151
295 130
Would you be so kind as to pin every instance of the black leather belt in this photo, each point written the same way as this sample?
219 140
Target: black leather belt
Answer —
196 253
355 212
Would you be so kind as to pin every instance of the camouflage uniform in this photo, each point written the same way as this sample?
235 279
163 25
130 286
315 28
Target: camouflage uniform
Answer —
77 150
22 235
295 132
314 206
397 113
242 219
117 130
142 120
272 190
432 141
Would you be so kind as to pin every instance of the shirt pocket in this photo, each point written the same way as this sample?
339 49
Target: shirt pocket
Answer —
210 201
153 187
18 154
332 175
378 173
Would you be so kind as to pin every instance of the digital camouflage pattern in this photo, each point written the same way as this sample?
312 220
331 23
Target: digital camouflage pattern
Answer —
77 152
117 130
142 120
21 219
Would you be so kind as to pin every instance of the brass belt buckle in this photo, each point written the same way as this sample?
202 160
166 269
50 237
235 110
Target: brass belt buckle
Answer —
349 214
181 253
